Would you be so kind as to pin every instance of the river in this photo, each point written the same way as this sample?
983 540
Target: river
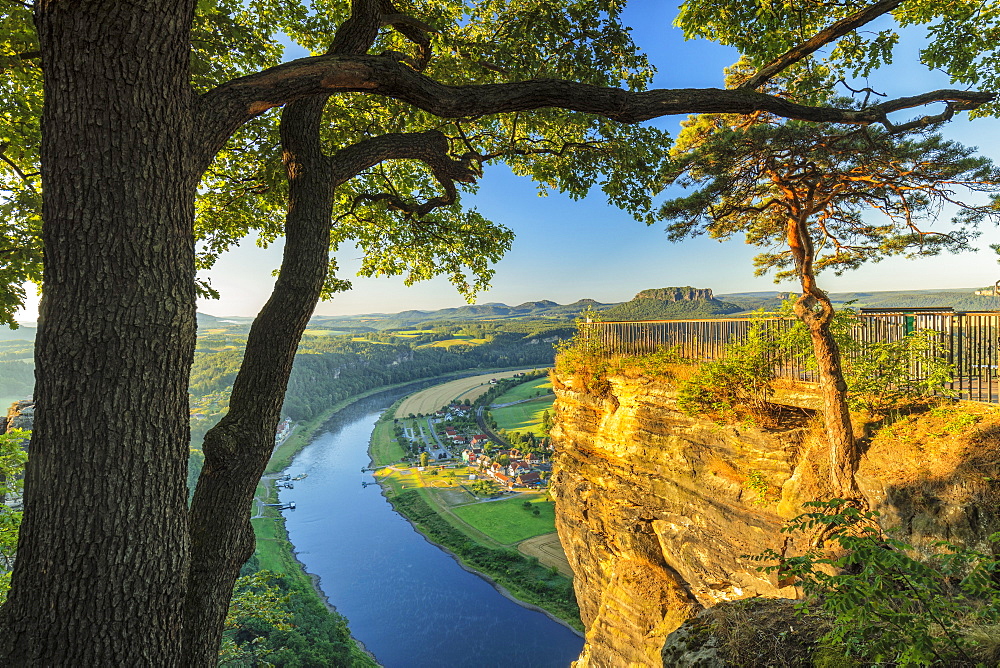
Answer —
409 602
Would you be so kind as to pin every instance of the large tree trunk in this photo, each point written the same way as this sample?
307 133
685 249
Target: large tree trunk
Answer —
816 311
102 554
238 448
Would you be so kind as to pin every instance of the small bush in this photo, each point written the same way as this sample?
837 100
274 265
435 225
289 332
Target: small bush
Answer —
738 386
890 374
887 607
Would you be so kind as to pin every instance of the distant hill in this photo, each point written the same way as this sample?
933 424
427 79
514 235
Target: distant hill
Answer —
653 304
22 333
543 309
959 299
671 304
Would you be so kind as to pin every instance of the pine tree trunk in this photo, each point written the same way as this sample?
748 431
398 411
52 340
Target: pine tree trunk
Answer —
833 390
102 558
816 311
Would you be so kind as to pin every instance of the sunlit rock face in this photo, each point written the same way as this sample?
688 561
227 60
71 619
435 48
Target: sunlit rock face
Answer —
659 512
20 415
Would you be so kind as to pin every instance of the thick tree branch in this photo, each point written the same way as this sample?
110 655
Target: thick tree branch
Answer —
227 107
430 147
821 39
18 59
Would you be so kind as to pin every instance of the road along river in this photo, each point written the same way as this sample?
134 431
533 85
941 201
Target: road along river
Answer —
409 602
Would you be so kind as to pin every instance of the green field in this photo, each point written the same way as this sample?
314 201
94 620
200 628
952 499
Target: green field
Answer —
383 448
524 417
508 521
322 332
457 341
525 391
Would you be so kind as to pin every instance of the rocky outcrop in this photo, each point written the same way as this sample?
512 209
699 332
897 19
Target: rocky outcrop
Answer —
685 294
21 415
659 512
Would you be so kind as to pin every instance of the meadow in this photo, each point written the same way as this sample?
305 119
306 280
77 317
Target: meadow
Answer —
525 391
525 417
508 521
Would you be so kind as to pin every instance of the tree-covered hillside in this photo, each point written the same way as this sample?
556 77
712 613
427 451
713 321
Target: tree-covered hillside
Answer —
331 368
17 379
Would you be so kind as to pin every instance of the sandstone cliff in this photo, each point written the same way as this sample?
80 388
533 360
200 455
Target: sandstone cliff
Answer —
656 509
20 415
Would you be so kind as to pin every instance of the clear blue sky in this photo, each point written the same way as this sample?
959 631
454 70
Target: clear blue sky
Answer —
567 250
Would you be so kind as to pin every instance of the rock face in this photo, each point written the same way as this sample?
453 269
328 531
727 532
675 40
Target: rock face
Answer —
685 294
657 510
21 415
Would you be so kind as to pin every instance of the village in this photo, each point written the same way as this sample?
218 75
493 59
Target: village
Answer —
461 431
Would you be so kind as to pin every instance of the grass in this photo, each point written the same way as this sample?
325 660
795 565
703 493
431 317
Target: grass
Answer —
525 391
523 417
508 521
366 340
321 332
384 448
274 550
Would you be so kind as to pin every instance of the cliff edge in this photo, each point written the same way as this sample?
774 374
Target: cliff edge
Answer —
657 511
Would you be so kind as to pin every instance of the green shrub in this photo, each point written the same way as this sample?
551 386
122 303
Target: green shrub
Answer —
885 375
889 608
738 385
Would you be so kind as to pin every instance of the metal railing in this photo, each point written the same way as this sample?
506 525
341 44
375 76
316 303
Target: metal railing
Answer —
967 341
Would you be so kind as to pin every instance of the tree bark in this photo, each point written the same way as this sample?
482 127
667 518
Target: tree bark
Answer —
238 448
816 311
102 551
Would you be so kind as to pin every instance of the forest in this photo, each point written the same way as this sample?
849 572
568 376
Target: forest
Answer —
329 369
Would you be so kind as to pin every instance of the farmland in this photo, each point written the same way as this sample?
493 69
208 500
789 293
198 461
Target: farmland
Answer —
509 521
433 398
548 550
525 391
461 341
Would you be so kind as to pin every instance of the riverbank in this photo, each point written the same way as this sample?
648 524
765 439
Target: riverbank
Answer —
521 579
274 550
303 434
577 630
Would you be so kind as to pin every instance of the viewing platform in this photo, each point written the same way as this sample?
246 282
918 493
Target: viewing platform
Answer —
966 340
